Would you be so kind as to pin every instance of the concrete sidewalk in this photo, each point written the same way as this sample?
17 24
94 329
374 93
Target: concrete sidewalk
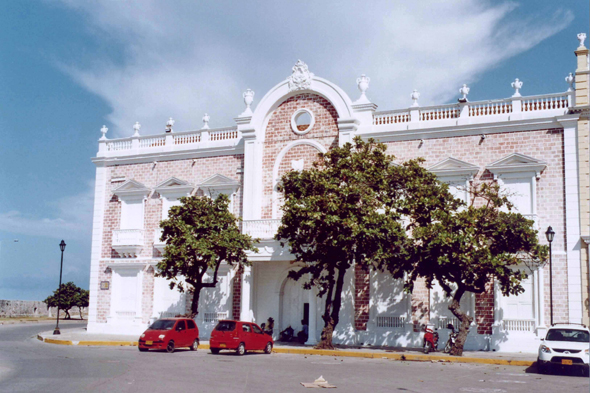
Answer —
80 337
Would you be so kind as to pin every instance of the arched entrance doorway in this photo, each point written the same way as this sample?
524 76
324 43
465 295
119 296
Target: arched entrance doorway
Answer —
294 305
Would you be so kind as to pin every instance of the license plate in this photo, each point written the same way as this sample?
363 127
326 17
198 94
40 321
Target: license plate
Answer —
567 361
222 345
149 342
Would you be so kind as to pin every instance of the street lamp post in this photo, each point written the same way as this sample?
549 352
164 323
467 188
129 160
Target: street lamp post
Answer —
550 234
62 247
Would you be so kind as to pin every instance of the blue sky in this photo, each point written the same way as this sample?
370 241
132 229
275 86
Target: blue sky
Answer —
68 67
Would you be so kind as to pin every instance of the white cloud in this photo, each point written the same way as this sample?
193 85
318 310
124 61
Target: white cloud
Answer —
70 217
183 58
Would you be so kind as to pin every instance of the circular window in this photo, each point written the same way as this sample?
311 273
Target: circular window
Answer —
302 121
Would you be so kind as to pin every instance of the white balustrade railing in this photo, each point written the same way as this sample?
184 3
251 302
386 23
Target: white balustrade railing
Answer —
189 138
223 134
168 314
263 229
439 113
545 102
489 108
390 321
391 117
127 237
152 141
119 145
519 325
214 316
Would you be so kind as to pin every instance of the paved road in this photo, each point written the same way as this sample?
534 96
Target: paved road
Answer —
28 365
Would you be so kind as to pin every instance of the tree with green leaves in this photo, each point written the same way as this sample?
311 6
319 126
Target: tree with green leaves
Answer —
463 247
200 234
342 211
66 297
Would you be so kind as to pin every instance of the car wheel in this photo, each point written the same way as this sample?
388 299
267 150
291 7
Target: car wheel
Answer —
142 349
214 351
195 345
170 346
241 349
268 348
427 347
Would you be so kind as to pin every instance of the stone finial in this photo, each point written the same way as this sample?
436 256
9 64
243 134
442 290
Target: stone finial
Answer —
415 96
206 122
464 90
516 85
570 81
362 83
136 128
169 125
104 130
581 38
248 99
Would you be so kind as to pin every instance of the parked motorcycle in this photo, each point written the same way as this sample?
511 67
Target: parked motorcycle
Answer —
430 340
452 338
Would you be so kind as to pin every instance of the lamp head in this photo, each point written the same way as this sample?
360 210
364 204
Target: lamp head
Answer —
62 246
550 234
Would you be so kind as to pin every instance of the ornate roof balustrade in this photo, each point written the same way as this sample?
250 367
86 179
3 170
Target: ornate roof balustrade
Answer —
169 142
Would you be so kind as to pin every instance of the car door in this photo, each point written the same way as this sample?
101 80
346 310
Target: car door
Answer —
181 334
259 337
193 332
247 336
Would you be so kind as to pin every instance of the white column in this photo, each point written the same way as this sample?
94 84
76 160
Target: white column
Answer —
246 313
95 253
253 151
540 309
312 333
572 216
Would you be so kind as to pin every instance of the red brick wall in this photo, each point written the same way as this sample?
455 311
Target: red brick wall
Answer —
237 295
362 297
420 304
279 134
484 309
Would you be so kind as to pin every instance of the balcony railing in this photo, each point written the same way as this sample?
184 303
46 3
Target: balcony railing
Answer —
128 242
519 325
262 229
503 109
158 244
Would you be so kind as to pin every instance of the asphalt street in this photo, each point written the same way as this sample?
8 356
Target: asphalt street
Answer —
28 365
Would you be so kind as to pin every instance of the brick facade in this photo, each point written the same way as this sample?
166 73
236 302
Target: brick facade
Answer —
236 303
484 309
362 297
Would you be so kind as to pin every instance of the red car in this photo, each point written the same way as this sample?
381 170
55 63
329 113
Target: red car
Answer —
240 337
170 333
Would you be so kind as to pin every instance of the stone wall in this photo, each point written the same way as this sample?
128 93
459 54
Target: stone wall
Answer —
33 308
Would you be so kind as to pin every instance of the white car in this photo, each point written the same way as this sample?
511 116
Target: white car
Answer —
566 345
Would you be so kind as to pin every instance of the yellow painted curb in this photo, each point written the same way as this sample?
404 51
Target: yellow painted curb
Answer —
58 342
397 356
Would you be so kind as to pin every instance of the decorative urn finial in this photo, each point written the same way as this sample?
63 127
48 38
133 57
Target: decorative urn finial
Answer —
136 128
516 85
300 78
581 38
205 122
248 99
464 90
363 84
169 125
570 81
415 96
104 130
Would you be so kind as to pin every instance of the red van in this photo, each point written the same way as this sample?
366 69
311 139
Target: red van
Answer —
170 333
240 337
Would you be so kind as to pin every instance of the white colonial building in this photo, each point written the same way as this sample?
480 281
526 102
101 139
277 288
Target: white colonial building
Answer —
536 147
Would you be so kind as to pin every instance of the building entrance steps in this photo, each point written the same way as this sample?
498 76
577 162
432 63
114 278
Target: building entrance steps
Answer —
79 337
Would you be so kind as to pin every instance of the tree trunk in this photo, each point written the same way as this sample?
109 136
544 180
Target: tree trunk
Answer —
465 319
80 310
67 314
195 303
331 315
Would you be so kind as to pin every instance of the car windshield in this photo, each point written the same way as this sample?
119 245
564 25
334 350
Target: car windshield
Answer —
162 324
579 336
225 326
